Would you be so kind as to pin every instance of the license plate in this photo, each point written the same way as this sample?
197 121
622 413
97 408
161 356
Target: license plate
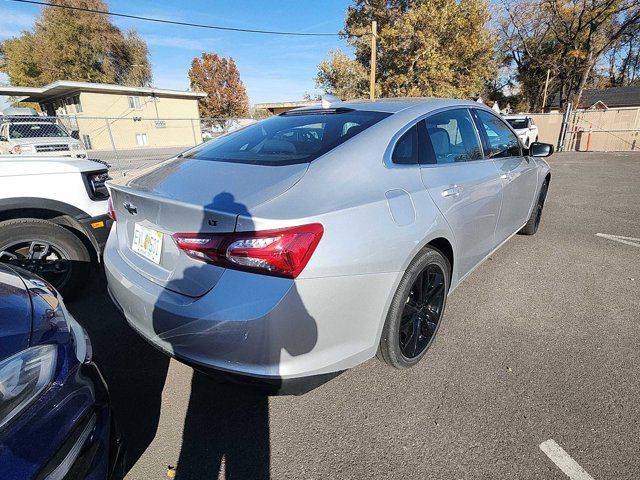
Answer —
147 242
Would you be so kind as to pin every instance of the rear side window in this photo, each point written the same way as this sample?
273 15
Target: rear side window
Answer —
450 137
500 140
406 150
297 137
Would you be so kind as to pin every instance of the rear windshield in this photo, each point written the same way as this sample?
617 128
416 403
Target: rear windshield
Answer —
288 139
517 123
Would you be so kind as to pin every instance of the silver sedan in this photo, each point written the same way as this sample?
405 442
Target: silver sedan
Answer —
298 247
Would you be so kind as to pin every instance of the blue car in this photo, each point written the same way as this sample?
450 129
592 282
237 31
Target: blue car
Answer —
55 418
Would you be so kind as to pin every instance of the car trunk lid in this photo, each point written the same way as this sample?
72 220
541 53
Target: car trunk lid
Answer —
195 196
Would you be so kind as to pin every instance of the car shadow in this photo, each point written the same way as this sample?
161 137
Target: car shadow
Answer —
226 429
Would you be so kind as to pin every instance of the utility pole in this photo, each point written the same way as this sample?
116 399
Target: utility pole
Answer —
546 87
372 73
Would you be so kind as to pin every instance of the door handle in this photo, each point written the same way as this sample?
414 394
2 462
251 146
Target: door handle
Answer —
452 192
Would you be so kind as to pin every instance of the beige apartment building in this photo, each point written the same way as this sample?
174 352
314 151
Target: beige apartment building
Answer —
106 116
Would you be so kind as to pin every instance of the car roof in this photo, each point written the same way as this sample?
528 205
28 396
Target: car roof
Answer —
516 116
394 105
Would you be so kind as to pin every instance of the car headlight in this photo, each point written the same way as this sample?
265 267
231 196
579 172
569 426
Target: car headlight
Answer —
23 377
95 182
23 149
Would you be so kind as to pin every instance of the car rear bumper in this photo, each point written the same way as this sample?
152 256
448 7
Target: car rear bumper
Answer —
258 326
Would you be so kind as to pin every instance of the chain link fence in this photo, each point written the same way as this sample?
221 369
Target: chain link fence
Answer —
125 144
131 143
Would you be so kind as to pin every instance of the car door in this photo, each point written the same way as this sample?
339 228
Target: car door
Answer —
464 185
518 172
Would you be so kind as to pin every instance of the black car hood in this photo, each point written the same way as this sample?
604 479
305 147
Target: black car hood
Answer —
15 313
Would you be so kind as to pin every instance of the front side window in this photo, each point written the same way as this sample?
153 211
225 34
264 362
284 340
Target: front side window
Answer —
450 137
296 137
500 141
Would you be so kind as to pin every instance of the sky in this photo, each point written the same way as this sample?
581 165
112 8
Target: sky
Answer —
273 68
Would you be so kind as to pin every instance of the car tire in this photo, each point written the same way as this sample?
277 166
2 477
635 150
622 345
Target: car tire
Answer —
67 262
536 213
405 323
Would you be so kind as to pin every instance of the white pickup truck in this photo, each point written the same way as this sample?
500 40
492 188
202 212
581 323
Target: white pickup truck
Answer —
53 216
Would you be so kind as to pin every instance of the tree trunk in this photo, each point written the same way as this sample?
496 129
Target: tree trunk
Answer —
583 80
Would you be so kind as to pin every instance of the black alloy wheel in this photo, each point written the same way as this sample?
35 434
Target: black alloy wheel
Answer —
540 204
531 227
416 310
422 311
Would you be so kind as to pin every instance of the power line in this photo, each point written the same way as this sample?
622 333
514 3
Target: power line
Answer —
174 22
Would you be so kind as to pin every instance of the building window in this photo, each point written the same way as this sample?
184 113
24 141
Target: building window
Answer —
86 139
141 139
134 102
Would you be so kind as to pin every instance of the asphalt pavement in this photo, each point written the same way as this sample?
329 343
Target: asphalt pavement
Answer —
542 342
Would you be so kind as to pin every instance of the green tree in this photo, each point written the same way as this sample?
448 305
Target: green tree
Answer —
424 48
342 76
220 79
73 45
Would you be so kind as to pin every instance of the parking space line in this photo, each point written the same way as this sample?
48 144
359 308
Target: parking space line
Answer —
634 242
563 461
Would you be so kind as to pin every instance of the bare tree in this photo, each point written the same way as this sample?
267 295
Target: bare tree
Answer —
568 37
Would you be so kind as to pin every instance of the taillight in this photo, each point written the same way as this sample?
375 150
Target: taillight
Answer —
110 211
283 253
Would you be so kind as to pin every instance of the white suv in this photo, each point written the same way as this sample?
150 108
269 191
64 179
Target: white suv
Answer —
53 217
35 137
524 128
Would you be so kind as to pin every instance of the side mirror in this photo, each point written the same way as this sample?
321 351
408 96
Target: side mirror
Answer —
538 149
